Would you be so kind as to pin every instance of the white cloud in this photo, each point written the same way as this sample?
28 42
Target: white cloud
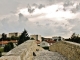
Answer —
50 12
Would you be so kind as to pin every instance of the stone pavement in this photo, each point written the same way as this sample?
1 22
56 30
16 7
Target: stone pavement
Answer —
48 55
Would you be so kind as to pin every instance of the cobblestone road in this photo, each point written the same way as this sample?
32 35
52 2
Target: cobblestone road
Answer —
48 55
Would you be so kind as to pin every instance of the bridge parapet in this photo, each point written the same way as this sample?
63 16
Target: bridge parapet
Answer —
70 50
22 52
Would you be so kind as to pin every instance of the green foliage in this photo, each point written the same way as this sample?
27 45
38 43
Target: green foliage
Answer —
59 38
32 38
11 44
46 48
74 38
3 36
0 53
14 38
1 49
8 39
23 37
42 38
8 47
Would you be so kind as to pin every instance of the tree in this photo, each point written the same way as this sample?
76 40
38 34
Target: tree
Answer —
75 38
42 38
32 38
8 47
11 44
8 38
3 36
0 53
59 38
14 38
23 37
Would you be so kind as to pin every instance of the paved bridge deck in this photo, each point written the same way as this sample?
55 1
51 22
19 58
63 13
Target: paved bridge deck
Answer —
48 55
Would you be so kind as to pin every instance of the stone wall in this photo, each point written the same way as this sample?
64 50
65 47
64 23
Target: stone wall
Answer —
22 52
68 49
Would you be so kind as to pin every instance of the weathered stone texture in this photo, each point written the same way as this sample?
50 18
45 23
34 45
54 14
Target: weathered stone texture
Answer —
48 55
68 49
22 52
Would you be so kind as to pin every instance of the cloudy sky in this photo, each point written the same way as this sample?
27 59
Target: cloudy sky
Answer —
45 17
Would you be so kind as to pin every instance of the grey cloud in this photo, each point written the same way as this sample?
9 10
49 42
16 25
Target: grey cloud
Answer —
52 28
37 22
11 6
68 3
61 29
41 6
37 15
75 23
49 28
7 6
47 24
76 9
64 9
30 10
7 25
36 5
78 6
22 18
44 27
12 25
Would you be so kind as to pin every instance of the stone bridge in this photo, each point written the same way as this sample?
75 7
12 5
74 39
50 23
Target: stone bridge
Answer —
22 52
62 50
70 50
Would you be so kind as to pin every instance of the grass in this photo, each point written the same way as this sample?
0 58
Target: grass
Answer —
1 49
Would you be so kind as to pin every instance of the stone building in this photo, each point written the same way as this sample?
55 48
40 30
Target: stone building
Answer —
36 37
0 35
16 34
57 38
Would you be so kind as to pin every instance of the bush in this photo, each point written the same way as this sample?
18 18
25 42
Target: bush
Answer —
14 38
0 53
32 39
1 49
46 48
8 47
11 44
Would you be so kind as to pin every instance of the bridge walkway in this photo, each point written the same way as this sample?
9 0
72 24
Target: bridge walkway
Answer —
48 55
